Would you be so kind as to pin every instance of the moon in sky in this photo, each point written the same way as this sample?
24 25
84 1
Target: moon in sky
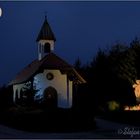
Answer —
0 12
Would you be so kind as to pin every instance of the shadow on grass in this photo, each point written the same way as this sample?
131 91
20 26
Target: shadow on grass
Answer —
55 120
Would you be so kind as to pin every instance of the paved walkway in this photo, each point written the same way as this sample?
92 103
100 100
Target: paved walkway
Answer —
105 129
109 129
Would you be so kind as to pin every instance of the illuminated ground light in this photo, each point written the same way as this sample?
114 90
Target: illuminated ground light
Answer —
132 108
136 87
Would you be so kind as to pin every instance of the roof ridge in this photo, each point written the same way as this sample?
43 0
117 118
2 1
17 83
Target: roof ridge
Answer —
50 61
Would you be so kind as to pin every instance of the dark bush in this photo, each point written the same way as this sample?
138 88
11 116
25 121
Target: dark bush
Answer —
6 97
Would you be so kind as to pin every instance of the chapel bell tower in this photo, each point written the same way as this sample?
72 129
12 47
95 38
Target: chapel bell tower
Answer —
45 40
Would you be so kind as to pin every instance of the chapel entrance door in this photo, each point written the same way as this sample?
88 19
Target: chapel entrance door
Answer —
50 97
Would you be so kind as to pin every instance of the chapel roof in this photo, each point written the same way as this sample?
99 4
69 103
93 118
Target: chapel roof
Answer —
50 61
46 32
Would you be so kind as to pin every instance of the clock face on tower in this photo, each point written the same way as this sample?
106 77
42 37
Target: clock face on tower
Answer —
50 76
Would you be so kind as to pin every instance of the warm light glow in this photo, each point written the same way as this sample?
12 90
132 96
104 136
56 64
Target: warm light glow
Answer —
113 105
132 108
137 88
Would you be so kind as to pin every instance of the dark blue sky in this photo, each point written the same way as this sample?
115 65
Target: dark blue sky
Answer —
81 28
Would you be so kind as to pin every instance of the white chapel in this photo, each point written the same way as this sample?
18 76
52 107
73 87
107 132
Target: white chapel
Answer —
51 76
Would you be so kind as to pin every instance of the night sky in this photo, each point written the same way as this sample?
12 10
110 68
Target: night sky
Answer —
81 28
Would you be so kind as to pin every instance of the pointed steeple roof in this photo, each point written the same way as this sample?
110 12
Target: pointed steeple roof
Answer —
46 32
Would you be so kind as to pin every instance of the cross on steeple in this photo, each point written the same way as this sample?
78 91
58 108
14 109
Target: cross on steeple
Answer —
45 15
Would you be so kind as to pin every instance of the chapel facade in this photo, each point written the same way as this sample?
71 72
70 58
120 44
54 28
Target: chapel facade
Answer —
50 76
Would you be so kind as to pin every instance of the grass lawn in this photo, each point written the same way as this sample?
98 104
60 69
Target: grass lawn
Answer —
128 117
40 120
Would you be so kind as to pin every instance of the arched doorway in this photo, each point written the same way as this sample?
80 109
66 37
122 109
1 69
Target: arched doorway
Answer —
50 97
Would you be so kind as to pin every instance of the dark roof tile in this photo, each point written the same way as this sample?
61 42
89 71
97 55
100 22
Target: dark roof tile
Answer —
46 32
50 61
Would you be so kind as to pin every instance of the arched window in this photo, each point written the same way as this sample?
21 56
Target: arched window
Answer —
47 48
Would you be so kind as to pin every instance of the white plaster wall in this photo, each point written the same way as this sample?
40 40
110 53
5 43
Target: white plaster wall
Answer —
42 42
59 83
70 93
17 87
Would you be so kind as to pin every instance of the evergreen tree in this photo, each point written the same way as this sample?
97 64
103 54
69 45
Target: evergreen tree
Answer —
122 61
135 51
77 64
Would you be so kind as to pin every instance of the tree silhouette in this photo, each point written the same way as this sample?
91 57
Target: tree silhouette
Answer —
110 76
135 51
77 64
